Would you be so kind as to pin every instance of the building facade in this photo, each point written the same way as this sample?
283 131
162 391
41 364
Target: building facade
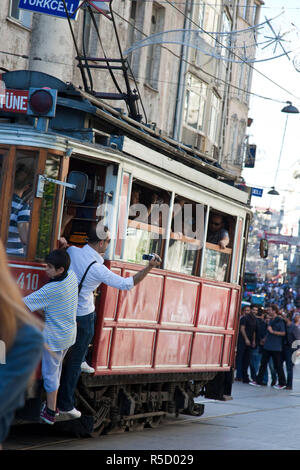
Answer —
199 99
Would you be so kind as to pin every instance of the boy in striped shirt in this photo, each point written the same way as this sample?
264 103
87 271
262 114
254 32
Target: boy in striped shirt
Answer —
58 299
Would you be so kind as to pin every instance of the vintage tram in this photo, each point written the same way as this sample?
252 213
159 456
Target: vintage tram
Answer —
171 338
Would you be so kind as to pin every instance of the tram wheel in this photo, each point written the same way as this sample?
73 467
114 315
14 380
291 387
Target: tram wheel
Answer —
136 424
154 422
100 421
97 429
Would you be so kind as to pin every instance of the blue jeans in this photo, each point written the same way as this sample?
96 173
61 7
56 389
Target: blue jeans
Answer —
272 370
277 360
255 358
287 353
238 361
72 366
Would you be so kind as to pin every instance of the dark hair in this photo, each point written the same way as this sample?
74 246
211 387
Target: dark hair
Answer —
23 176
244 307
98 233
59 259
275 308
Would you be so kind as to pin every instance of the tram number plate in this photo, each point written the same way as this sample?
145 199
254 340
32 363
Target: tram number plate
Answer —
29 281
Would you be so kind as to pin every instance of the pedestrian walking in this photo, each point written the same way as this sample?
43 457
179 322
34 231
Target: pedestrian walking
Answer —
240 347
273 348
255 356
292 334
248 329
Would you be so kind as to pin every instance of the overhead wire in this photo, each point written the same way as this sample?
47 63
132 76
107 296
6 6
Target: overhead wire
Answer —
158 80
234 53
202 71
177 56
283 7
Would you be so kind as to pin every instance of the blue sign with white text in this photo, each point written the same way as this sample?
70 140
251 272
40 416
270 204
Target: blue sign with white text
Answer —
51 7
257 192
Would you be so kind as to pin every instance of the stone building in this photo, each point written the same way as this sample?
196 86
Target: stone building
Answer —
194 98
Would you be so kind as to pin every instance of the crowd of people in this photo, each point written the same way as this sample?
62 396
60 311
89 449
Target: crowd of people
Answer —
287 298
269 337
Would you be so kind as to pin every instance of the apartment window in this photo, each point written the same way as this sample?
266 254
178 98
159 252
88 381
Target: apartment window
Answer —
211 20
254 14
246 7
135 28
23 16
214 117
86 33
241 82
201 14
195 101
234 136
248 85
154 51
225 38
240 142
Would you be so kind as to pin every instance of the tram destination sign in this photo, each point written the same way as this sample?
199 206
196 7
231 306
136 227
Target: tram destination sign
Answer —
51 7
14 101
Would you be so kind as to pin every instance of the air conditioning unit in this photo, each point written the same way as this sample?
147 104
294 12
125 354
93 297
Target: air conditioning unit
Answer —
194 139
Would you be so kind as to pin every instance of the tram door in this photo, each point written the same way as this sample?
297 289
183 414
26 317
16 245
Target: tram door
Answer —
78 218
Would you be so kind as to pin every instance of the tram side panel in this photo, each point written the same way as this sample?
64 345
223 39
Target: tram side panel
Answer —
168 323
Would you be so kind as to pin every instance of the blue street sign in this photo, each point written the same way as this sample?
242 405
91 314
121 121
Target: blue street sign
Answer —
257 192
51 7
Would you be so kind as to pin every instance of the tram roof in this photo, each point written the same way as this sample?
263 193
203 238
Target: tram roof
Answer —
109 125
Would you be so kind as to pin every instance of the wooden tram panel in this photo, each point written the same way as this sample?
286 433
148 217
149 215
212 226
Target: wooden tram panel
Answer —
170 322
30 276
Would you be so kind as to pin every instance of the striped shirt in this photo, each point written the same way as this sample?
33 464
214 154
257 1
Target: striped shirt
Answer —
59 301
20 212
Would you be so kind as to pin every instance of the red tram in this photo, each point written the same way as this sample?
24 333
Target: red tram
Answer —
168 340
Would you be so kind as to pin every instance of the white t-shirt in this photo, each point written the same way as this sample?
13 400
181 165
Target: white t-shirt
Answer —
97 274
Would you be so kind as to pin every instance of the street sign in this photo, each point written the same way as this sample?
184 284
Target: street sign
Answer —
14 101
257 192
279 239
51 7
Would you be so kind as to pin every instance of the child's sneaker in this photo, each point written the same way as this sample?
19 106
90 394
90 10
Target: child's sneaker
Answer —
46 415
254 383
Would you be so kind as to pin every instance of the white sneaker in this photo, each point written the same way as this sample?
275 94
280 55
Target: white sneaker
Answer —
86 368
72 413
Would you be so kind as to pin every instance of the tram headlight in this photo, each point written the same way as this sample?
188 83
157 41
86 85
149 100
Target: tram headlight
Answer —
42 102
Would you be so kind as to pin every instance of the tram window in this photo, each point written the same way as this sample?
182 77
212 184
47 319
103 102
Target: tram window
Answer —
46 220
147 222
21 203
186 238
219 242
78 218
217 232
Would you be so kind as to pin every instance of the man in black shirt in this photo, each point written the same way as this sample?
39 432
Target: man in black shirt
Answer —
248 336
273 348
